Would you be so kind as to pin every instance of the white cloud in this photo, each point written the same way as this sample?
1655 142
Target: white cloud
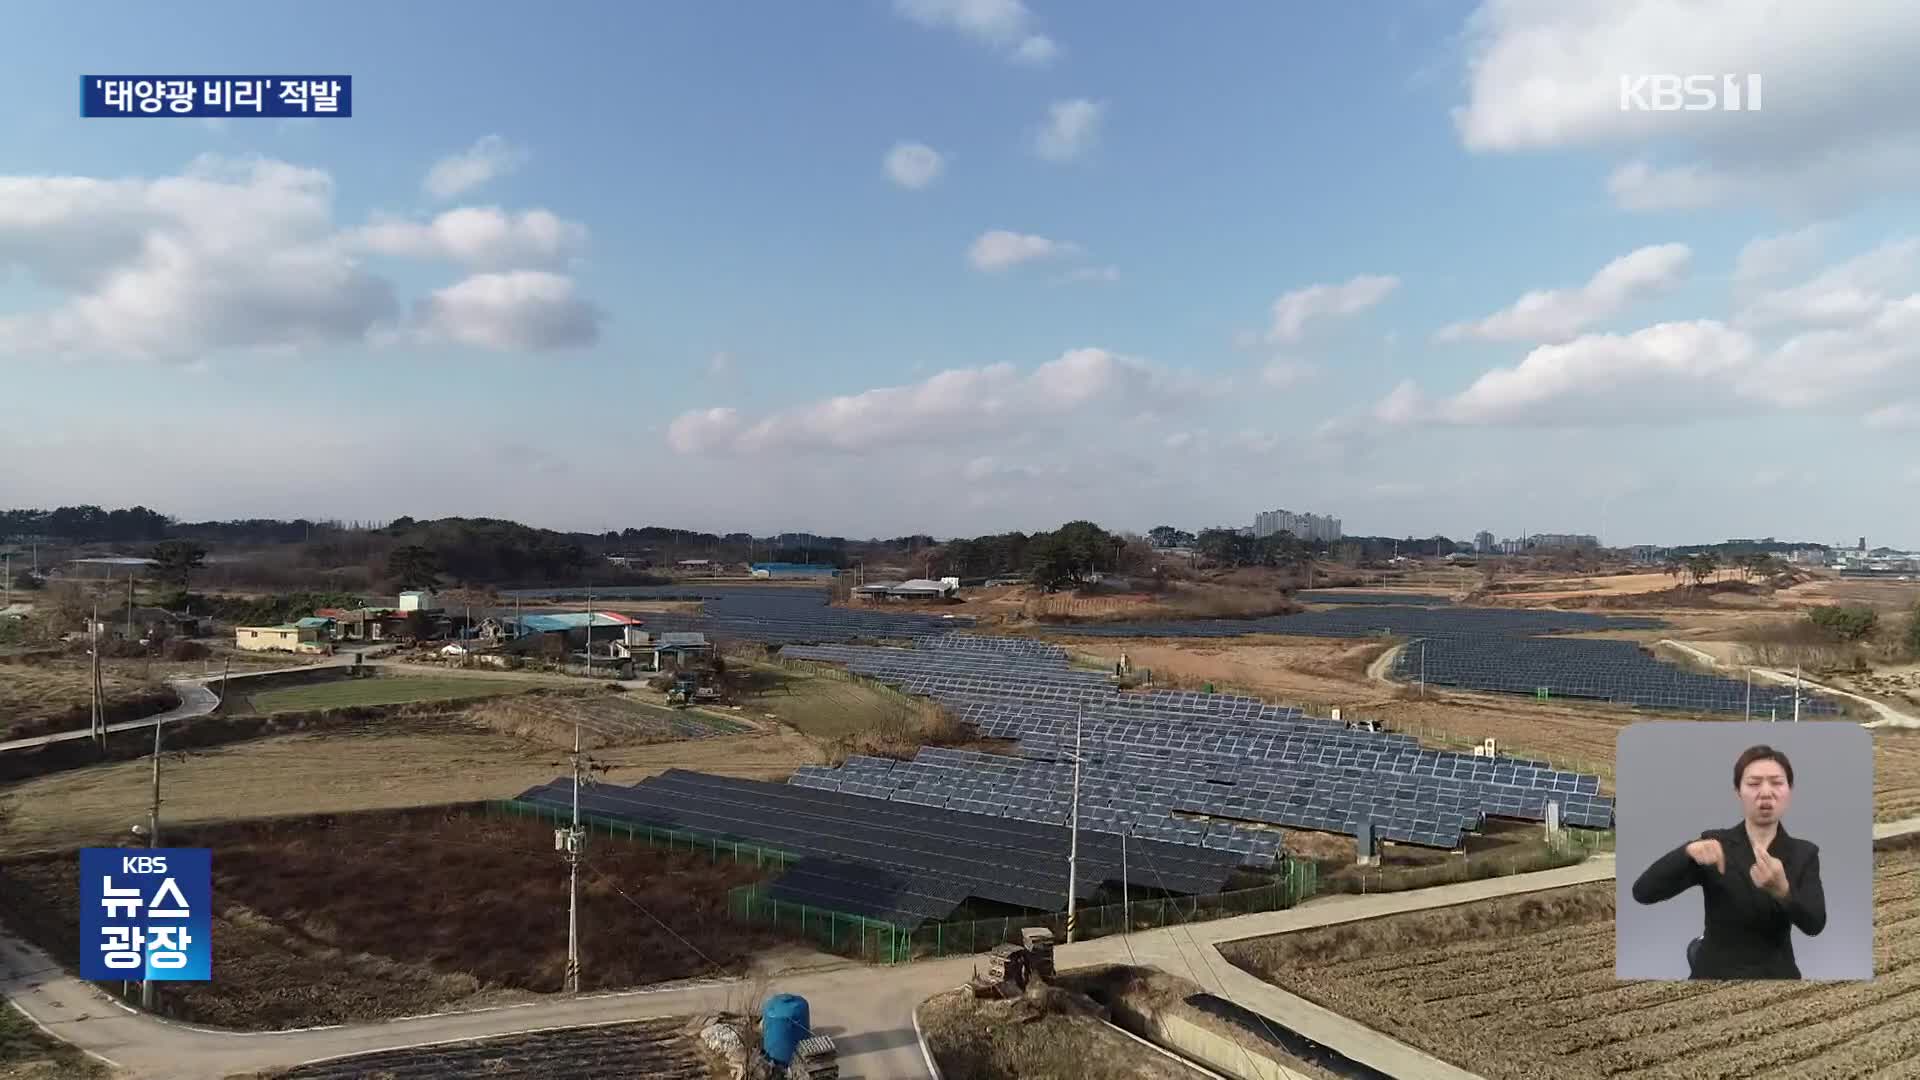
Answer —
1600 378
1854 366
1004 25
1036 50
1844 293
1900 416
490 157
951 405
1558 314
702 430
478 236
1000 249
1071 129
1084 274
1282 373
232 253
913 165
522 310
1546 74
1771 256
1293 311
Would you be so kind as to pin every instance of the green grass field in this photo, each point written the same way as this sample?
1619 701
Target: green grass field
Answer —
825 707
385 690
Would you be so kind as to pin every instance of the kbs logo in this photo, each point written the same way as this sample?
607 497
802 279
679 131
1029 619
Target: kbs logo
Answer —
1689 93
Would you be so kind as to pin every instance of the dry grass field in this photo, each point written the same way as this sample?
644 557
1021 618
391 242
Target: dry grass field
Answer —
359 917
393 761
37 698
28 1054
1040 1036
1523 988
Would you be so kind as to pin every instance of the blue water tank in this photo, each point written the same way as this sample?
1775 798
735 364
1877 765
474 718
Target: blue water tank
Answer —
783 1023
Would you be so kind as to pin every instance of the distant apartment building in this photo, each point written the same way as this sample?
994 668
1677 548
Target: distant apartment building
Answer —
1563 542
1312 527
1483 542
1550 542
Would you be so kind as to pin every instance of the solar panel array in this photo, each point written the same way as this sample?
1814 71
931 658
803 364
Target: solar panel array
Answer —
1502 650
1370 620
1615 671
774 614
1157 754
892 860
1115 797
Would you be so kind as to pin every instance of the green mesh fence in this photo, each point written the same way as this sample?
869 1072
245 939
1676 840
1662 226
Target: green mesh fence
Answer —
716 848
880 942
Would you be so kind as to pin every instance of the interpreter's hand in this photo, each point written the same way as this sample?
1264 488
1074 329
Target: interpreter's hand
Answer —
1709 853
1768 874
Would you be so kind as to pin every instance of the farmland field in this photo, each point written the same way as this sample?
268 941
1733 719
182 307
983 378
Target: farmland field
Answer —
606 719
1524 987
646 1048
357 917
380 690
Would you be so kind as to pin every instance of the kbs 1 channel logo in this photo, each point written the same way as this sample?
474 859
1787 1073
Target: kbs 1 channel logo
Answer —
146 913
216 97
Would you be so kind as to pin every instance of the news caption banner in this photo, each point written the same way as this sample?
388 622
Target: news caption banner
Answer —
216 96
146 913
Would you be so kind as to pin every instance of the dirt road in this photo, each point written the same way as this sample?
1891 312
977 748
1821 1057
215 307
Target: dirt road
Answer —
1887 715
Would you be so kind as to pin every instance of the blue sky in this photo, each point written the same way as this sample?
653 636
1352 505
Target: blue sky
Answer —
1175 266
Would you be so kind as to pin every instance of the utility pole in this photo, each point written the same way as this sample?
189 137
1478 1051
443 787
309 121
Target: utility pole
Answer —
6 581
1796 693
1126 897
98 726
589 638
129 605
1073 844
571 842
1749 694
1423 668
153 841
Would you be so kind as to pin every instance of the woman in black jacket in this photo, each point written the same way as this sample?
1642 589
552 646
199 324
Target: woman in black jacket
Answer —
1758 882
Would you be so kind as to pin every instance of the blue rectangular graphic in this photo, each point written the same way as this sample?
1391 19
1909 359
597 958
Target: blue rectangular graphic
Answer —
146 913
216 96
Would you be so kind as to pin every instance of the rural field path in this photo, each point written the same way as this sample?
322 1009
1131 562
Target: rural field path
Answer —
867 1010
1888 715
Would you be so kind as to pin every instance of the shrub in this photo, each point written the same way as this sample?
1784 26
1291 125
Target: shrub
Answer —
1913 633
1845 623
184 649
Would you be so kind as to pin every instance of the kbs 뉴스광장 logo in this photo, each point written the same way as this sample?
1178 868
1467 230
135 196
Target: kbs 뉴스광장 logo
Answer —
146 913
